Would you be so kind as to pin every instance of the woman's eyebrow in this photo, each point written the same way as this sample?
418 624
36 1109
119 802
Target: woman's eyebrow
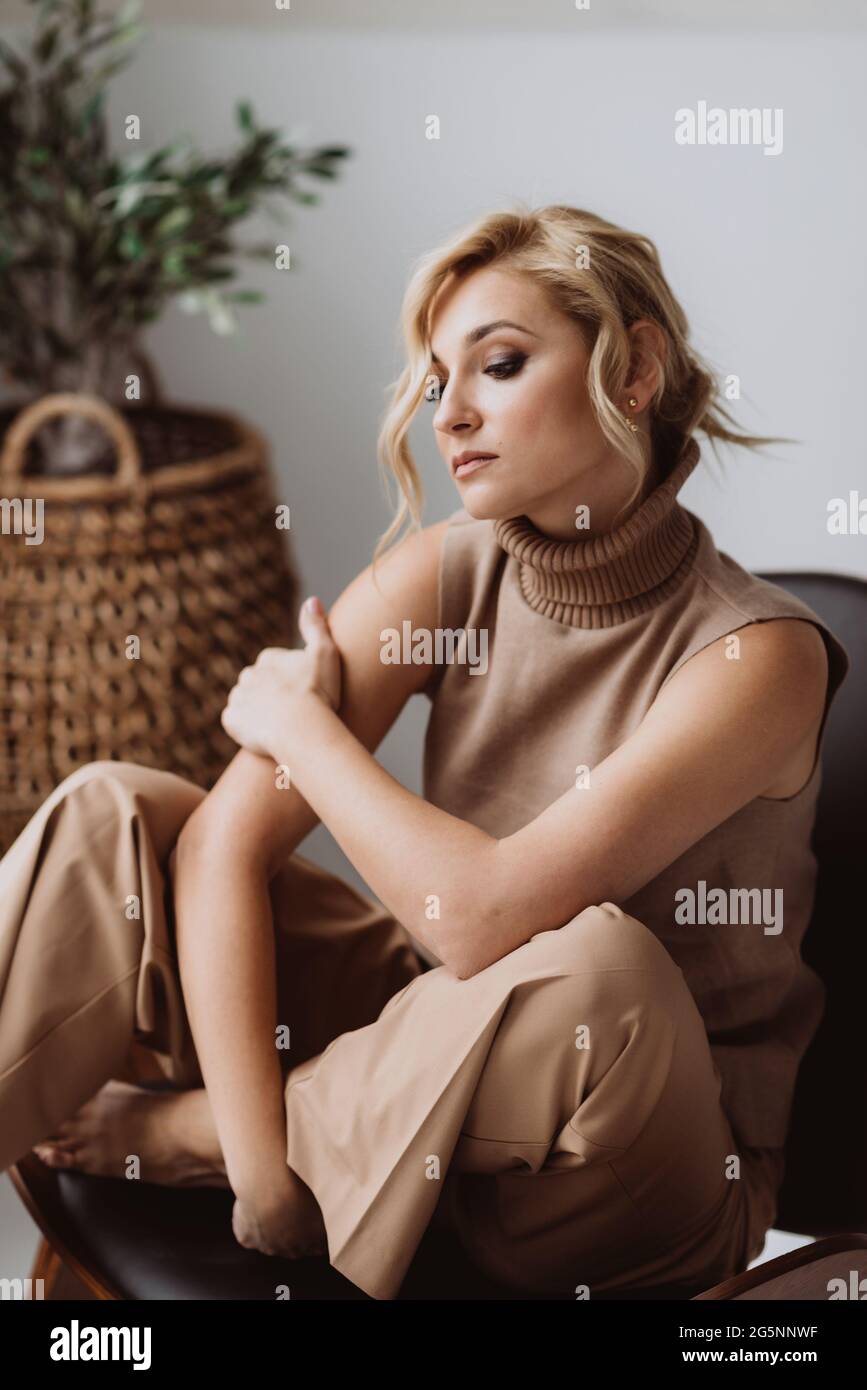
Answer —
476 334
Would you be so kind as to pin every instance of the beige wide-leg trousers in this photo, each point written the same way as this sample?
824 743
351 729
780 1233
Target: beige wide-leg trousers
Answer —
560 1109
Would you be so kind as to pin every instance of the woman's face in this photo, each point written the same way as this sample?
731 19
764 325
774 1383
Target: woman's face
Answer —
520 392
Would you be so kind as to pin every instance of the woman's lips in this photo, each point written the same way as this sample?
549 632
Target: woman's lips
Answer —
471 465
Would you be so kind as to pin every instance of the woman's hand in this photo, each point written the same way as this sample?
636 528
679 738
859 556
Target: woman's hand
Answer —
286 1221
257 706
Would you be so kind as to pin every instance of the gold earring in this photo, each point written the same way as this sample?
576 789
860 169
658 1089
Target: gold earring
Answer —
630 422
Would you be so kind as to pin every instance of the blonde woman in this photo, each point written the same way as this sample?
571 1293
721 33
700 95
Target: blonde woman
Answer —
569 1023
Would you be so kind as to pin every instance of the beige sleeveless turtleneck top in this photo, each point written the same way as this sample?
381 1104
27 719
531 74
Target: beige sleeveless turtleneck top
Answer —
582 636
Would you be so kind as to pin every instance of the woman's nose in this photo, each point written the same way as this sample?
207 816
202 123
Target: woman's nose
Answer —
454 412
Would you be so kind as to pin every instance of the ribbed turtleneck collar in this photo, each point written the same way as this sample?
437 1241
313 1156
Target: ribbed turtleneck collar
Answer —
603 581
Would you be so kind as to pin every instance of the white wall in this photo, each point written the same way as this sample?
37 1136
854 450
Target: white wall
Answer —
766 253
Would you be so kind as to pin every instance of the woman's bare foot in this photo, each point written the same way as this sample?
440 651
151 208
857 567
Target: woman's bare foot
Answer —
172 1133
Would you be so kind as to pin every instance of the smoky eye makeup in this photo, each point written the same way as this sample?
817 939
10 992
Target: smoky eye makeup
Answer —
500 368
506 366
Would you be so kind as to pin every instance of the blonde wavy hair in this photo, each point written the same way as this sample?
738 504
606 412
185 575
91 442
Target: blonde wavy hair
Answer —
621 282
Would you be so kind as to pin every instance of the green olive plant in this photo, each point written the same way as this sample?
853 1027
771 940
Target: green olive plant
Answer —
94 244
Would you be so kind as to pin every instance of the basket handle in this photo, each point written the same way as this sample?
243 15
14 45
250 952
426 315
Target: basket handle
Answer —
28 420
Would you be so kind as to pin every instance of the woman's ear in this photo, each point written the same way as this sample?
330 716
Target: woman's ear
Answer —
647 356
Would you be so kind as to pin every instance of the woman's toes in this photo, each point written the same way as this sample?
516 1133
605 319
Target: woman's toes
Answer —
63 1143
61 1138
55 1157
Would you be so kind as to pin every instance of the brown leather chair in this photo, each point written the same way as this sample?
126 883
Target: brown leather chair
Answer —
137 1241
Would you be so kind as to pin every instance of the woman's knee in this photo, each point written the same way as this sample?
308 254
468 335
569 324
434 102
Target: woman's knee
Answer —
591 1015
601 937
135 776
162 799
603 970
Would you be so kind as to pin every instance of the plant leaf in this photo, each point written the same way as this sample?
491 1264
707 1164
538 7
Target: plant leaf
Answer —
173 221
131 245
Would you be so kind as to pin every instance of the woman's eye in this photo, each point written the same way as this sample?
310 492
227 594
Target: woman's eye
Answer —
500 371
508 366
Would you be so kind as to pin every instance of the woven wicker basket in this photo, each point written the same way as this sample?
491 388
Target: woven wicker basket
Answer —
172 539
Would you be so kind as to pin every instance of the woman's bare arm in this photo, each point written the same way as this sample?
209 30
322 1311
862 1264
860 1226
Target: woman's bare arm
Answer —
245 816
237 839
720 733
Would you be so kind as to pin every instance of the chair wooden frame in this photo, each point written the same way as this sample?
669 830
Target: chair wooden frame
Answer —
58 1249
